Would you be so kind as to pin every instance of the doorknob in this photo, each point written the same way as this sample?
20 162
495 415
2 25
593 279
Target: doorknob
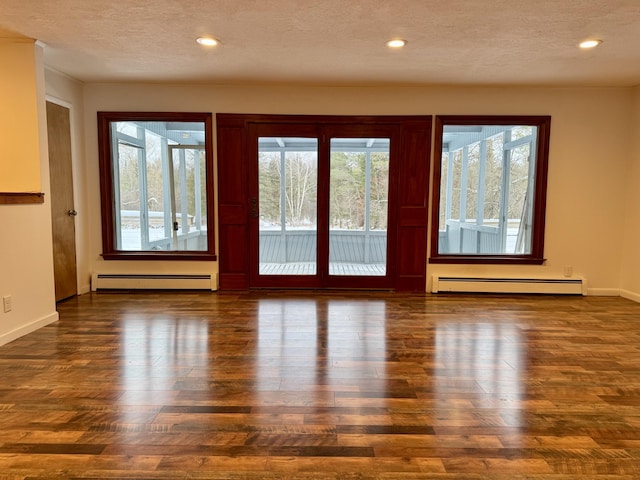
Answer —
72 213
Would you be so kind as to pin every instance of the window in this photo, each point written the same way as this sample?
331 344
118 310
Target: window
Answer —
156 182
490 178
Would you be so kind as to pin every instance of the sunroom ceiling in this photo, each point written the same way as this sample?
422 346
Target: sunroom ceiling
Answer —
459 42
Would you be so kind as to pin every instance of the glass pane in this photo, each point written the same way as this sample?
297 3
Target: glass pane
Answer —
160 186
473 169
287 199
188 211
130 237
155 190
487 175
519 215
358 208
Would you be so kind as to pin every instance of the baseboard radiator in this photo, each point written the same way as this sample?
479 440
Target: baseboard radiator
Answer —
115 281
570 285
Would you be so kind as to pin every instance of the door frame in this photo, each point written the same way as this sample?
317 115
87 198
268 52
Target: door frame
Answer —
324 133
235 152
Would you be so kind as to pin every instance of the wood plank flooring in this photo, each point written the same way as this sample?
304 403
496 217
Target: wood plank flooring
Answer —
308 385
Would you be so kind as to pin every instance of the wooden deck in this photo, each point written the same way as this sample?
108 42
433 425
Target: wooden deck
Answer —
309 268
324 386
345 246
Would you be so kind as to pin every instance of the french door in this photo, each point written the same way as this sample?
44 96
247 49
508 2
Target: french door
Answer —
322 201
322 206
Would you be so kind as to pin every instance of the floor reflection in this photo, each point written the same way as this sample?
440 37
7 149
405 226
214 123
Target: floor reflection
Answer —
159 351
480 366
316 346
325 385
327 353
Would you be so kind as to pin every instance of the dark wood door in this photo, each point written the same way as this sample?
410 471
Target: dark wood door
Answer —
62 206
259 225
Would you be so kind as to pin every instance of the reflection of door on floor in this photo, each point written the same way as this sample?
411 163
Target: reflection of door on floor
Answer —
62 206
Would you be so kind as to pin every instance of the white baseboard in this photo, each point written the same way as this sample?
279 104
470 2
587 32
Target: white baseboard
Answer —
161 281
603 292
84 289
549 285
630 295
30 327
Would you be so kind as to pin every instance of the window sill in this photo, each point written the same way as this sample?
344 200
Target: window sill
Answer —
196 256
488 259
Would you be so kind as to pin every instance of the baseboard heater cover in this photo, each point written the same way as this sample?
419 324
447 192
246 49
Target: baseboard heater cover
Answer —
571 286
115 281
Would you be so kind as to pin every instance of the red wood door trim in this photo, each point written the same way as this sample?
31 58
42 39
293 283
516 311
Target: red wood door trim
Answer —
410 184
233 232
413 204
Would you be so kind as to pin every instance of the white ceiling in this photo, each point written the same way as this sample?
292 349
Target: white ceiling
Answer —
479 42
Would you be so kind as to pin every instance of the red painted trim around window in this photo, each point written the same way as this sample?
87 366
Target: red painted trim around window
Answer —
540 196
109 251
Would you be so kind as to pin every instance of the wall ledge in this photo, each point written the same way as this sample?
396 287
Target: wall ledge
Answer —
21 198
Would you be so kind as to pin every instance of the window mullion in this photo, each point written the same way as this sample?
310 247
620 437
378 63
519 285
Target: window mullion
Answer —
504 191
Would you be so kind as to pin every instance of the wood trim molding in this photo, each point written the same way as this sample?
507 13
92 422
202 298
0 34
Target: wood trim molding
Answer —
237 143
21 198
107 195
536 257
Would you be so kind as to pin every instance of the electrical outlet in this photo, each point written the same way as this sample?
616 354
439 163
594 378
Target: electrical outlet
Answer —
568 270
7 302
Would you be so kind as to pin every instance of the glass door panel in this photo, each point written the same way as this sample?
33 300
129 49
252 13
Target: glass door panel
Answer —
358 206
287 203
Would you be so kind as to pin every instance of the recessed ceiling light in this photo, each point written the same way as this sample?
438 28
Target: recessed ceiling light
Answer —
396 43
207 41
592 43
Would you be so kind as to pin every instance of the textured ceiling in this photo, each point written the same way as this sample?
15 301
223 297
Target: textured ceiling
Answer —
479 42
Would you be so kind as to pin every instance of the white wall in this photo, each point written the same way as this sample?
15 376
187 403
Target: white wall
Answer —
590 132
630 278
26 263
68 92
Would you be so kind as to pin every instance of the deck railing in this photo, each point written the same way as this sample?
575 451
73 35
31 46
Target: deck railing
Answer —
470 238
349 246
194 240
461 237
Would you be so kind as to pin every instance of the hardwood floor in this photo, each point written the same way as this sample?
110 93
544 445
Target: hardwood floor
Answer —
307 385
